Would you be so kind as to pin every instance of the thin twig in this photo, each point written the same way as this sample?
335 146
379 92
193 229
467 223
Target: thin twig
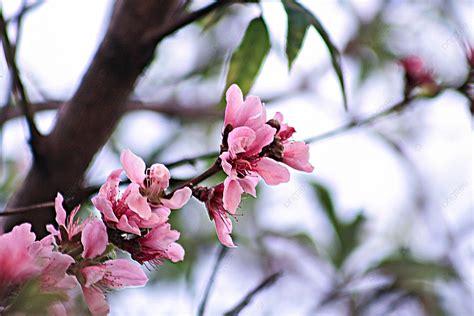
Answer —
24 10
269 281
399 106
18 84
210 282
25 209
188 19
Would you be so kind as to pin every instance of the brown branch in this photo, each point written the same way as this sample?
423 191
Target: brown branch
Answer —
202 306
269 281
399 106
18 87
86 121
169 108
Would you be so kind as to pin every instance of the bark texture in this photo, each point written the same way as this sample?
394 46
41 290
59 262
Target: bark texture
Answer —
87 120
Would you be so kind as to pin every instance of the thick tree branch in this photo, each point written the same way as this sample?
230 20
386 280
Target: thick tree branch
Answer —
169 108
85 123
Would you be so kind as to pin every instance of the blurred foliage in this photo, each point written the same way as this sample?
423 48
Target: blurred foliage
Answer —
248 58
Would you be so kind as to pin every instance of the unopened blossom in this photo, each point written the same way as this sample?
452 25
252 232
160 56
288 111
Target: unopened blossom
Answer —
417 75
213 199
112 274
254 148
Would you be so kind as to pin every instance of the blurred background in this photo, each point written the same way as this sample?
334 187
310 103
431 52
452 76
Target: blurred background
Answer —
384 225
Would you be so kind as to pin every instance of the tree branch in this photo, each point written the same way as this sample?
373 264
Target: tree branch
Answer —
399 106
18 87
269 281
210 282
169 108
86 121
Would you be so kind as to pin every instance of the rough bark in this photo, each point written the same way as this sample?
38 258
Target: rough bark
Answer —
85 123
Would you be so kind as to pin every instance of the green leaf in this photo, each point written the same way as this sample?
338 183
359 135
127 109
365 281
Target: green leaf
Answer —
299 12
347 233
248 58
298 25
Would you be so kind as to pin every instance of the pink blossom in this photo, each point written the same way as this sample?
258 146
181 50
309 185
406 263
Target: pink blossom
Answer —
92 231
18 263
213 198
129 212
152 182
295 153
416 72
22 259
113 274
254 148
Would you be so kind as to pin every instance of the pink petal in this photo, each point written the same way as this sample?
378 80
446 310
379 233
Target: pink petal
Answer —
159 176
296 155
94 239
272 172
60 211
226 166
95 300
133 165
223 229
109 189
92 274
160 237
232 193
252 113
263 136
175 252
248 184
122 273
105 207
179 199
127 227
136 202
234 100
240 139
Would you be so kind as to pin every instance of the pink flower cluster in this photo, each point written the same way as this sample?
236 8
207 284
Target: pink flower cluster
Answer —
252 148
81 253
138 219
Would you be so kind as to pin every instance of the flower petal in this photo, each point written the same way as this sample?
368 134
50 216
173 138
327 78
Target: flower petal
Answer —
223 228
179 199
234 100
60 211
95 300
122 273
240 139
296 155
226 166
272 172
263 136
105 207
175 252
232 193
248 184
92 274
136 202
128 227
133 165
94 238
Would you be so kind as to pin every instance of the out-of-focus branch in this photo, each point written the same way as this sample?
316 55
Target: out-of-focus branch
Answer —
18 88
269 281
399 106
210 282
86 121
169 108
26 8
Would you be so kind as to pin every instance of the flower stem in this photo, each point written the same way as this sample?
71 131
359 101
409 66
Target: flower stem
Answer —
212 170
